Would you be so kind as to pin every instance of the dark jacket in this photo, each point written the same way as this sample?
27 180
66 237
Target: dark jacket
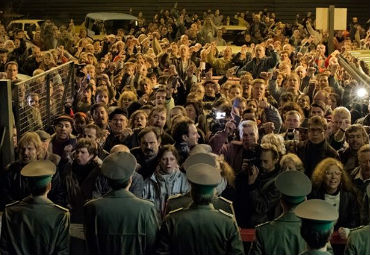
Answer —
120 223
349 214
81 183
35 225
311 154
234 153
255 67
256 203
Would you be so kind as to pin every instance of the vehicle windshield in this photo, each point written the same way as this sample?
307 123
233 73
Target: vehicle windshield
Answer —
111 26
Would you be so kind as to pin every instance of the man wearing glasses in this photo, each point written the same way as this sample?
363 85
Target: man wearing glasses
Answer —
316 148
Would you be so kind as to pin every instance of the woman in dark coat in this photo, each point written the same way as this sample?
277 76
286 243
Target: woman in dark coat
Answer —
332 184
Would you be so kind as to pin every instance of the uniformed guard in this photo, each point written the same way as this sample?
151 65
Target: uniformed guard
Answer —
282 235
318 219
200 229
35 225
119 222
359 238
185 200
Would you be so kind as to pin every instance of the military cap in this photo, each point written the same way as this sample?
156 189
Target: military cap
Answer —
294 186
40 172
204 177
119 166
63 118
205 158
320 214
43 135
205 148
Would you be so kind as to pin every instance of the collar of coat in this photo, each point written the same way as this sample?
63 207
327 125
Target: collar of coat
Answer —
122 193
37 200
202 207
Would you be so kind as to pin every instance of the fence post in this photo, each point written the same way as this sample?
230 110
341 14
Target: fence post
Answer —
6 123
48 110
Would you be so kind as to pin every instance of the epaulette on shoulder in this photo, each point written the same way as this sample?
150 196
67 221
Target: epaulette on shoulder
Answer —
225 200
176 210
357 228
226 213
262 224
147 200
175 196
61 207
11 204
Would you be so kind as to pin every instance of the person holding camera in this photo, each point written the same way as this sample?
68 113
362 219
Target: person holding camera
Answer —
292 122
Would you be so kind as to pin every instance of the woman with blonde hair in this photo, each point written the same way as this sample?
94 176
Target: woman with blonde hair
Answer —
291 162
331 183
126 98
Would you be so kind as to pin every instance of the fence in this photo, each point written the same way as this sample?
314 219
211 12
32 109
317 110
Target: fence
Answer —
49 92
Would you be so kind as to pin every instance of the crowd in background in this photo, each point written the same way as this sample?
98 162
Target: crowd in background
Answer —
165 90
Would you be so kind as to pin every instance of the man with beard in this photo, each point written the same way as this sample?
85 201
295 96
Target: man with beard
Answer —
157 118
62 141
118 129
146 153
99 114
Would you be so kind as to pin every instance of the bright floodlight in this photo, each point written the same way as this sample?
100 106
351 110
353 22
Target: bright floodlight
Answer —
361 92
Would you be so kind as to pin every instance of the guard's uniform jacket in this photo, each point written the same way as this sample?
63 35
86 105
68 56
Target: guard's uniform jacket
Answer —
358 241
184 201
120 223
35 225
280 236
200 229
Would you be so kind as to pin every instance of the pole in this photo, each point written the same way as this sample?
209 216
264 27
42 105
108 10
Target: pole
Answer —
6 123
331 29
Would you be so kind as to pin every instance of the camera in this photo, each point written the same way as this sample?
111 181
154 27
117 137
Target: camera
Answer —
290 134
220 115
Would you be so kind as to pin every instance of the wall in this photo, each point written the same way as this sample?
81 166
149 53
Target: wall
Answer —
285 9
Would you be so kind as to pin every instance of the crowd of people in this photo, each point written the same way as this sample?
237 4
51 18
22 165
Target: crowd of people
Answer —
162 112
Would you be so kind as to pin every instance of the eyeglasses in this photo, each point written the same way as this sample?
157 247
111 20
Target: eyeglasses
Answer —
335 173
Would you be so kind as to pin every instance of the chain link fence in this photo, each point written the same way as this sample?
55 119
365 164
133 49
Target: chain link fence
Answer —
37 101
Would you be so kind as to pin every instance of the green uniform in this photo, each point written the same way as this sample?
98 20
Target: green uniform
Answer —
120 223
200 229
184 201
315 252
35 225
359 242
280 236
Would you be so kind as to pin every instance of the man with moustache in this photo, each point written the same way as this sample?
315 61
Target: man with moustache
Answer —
157 118
118 129
146 153
62 141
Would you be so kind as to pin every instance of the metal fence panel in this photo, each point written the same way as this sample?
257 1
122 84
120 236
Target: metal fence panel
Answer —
53 88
